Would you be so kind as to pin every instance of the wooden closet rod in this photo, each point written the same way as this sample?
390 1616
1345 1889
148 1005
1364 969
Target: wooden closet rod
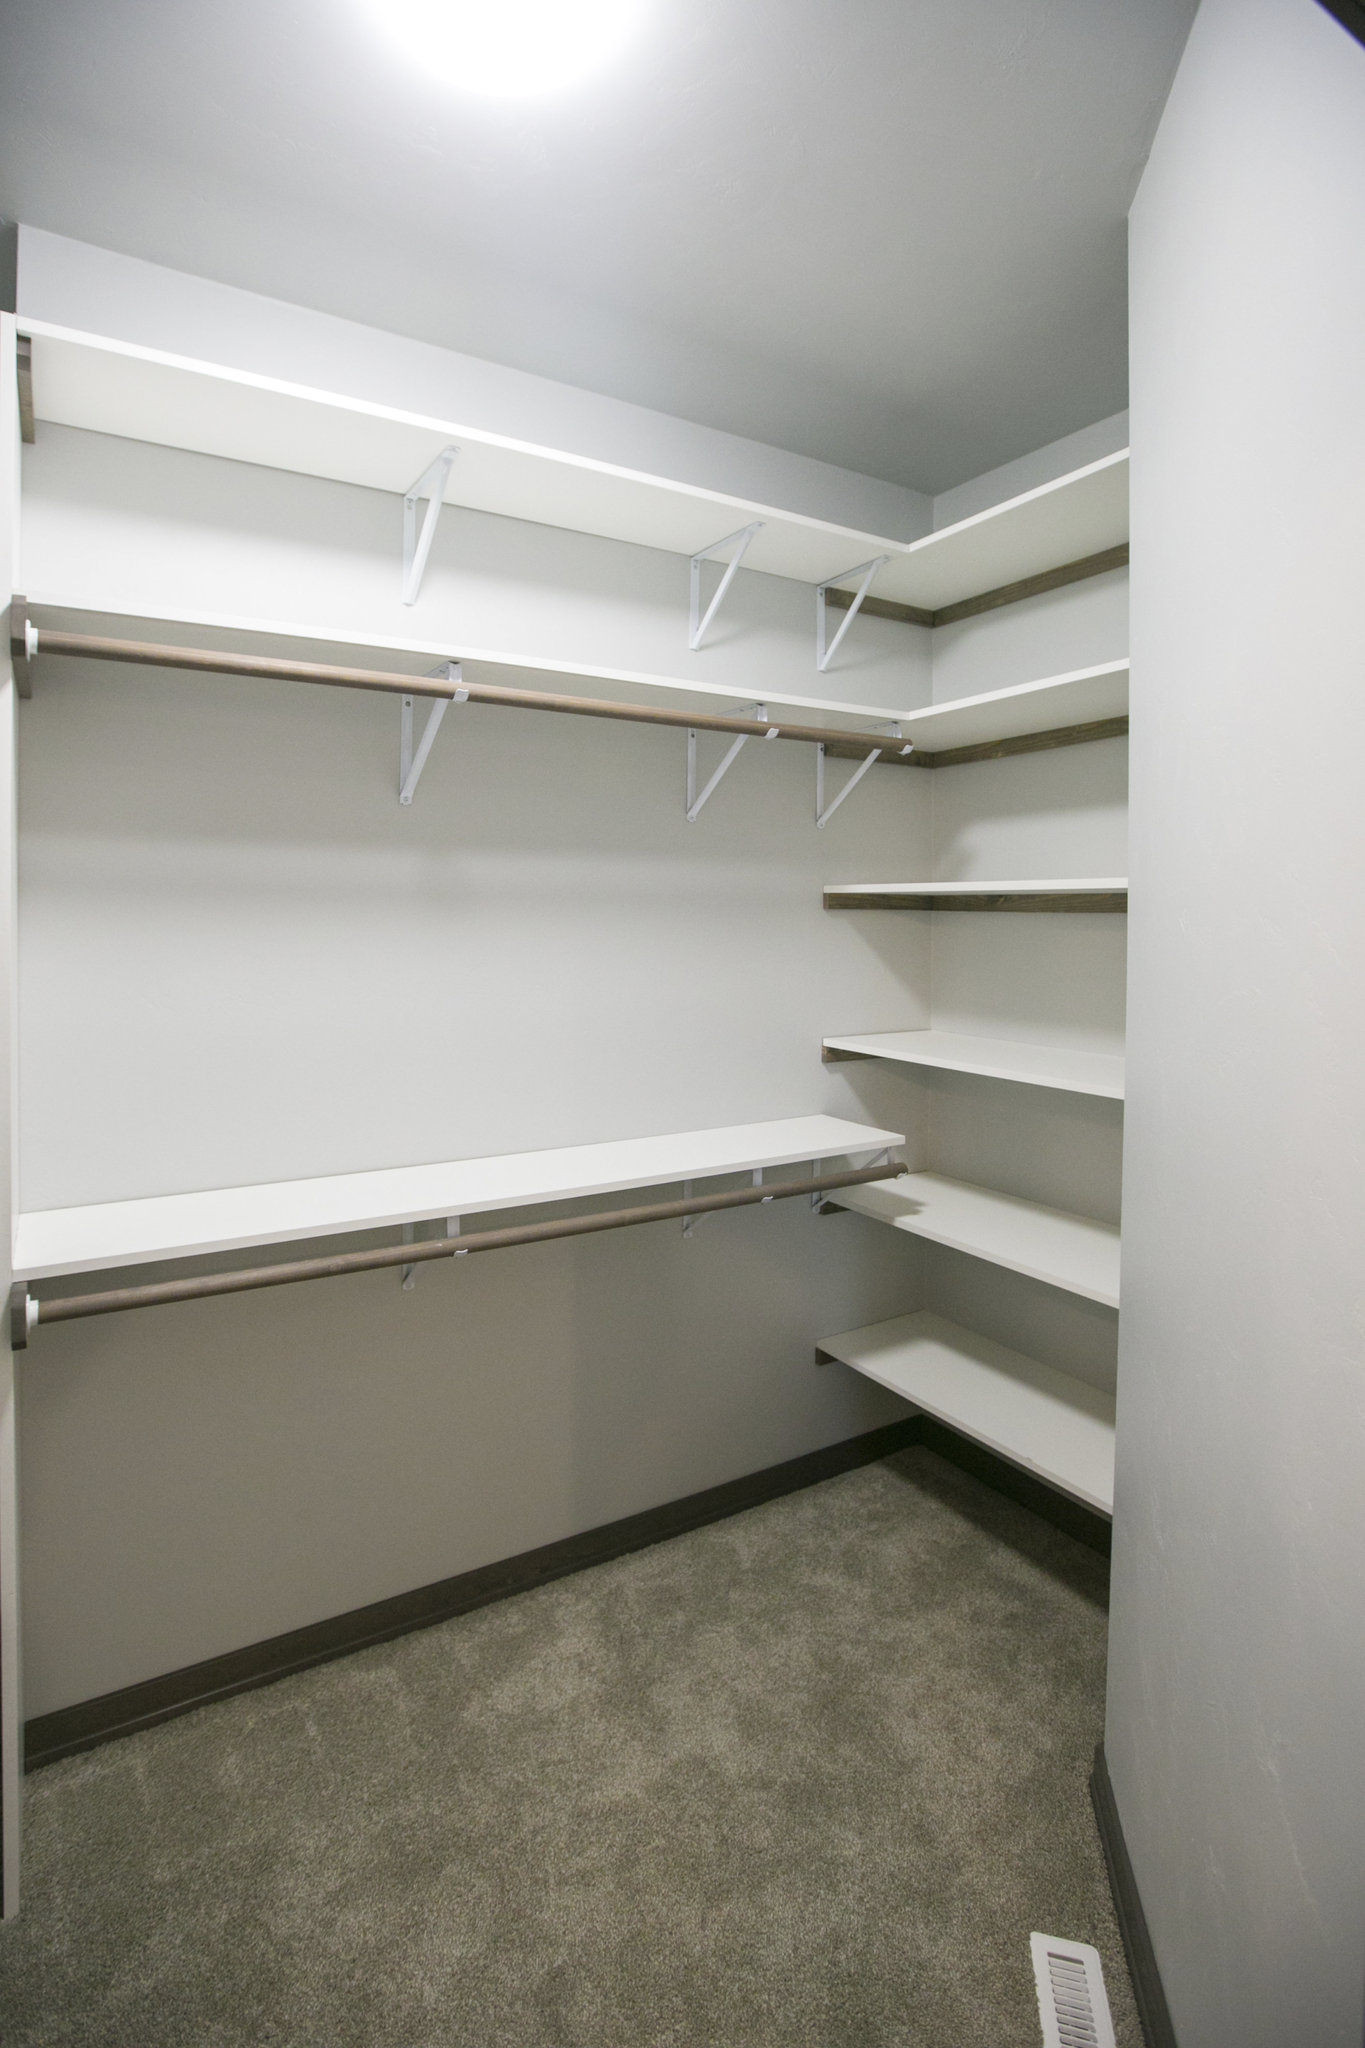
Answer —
71 1307
94 647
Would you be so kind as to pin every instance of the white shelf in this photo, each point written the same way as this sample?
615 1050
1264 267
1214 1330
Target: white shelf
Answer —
117 387
1108 892
1053 1425
1082 697
56 610
1066 1251
107 1234
999 1059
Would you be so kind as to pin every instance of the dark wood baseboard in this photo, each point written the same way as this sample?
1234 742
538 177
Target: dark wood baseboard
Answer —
1070 1516
49 1737
1148 1990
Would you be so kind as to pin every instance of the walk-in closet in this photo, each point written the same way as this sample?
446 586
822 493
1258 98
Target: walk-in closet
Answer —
575 1469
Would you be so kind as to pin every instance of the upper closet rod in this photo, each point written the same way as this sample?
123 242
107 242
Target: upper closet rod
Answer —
95 647
27 1314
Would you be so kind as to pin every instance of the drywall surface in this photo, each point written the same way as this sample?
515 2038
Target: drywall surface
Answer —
241 960
75 285
1237 1672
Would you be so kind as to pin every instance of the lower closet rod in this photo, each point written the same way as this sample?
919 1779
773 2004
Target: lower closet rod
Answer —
150 653
26 1313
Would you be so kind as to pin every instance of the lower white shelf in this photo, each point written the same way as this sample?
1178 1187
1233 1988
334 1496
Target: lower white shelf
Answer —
1000 1059
1108 892
106 1234
1072 1252
1057 1427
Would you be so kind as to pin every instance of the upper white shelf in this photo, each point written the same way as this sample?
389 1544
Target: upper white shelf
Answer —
107 1234
1108 892
1058 1427
1067 1251
118 387
1000 1059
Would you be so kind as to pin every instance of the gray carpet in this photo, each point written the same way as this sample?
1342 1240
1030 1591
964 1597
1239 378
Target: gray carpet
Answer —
803 1779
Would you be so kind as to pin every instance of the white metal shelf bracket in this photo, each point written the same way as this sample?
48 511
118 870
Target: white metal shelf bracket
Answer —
431 485
408 1274
697 624
825 811
826 649
691 1224
410 764
695 799
828 1205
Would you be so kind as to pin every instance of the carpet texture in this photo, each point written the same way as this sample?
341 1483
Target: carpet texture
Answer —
806 1778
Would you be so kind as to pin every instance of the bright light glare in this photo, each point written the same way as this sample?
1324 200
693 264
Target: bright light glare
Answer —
509 49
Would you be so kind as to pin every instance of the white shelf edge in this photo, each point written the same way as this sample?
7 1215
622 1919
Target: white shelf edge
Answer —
97 1237
996 1059
1088 885
1047 1422
1074 1253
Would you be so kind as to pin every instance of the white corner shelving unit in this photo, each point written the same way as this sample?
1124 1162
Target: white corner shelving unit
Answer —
1071 1252
1057 1427
105 1235
118 387
997 1059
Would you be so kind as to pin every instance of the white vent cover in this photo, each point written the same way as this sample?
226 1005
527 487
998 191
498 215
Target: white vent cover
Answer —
1071 1997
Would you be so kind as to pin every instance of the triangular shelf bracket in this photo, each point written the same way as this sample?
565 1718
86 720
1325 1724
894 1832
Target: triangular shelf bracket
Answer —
410 764
431 485
825 811
697 623
696 799
826 649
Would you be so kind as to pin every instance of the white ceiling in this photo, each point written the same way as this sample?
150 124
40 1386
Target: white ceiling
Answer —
888 233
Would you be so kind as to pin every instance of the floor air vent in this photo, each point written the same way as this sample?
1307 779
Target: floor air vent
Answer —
1071 1997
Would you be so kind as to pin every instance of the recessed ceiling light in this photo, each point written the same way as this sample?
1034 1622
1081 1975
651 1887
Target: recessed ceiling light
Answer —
509 49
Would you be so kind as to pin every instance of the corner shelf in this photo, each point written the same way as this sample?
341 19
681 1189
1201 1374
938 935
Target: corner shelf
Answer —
1067 1251
1084 704
1055 1426
1107 894
103 1235
998 1059
118 387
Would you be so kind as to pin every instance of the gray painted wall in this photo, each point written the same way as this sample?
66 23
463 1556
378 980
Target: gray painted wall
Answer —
1237 1674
